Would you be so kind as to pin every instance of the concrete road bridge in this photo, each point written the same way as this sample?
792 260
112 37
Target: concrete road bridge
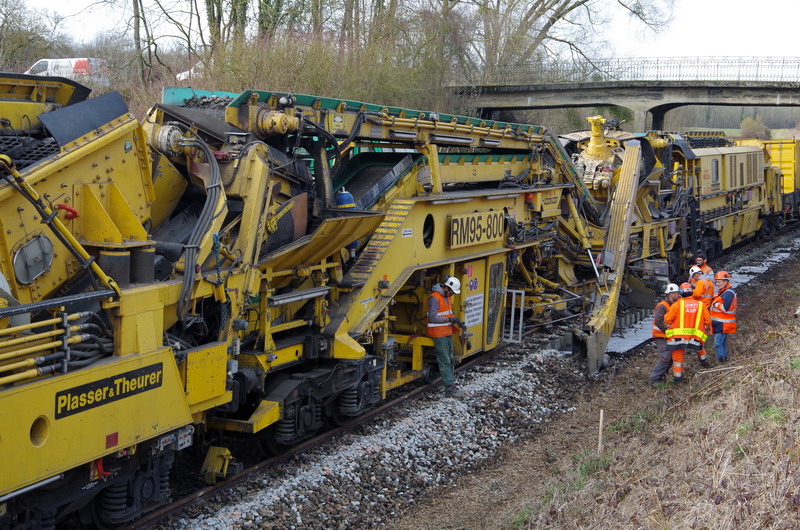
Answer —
650 87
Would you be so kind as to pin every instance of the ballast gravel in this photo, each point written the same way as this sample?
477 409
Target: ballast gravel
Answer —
363 479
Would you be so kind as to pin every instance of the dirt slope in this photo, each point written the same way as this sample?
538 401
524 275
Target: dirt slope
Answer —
719 452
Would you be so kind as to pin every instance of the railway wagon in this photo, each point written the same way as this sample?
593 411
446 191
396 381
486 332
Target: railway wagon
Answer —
716 192
259 263
784 155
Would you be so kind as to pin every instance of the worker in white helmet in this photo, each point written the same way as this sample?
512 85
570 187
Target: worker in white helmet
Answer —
671 294
441 320
704 293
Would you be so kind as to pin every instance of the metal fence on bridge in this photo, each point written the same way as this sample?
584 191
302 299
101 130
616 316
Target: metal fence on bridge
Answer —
728 69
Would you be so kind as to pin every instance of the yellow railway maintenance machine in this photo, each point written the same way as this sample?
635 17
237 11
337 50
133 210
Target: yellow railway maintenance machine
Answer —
260 263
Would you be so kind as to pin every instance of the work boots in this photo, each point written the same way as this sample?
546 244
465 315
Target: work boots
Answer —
453 392
705 363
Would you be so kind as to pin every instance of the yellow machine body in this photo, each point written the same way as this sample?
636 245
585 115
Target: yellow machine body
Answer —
81 417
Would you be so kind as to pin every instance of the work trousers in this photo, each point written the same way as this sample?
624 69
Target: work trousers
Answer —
444 356
721 345
664 361
703 353
677 361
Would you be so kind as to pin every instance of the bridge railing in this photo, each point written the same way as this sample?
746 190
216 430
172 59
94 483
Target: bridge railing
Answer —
759 69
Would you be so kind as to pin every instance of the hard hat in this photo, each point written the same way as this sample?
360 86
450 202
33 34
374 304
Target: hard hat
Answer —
453 284
694 270
722 275
686 288
671 288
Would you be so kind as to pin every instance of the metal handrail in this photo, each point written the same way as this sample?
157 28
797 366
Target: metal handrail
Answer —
730 69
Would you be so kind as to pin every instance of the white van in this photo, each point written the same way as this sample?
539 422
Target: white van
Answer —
85 69
194 72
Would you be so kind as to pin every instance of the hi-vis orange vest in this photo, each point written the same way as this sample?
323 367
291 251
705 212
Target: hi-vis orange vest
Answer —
708 272
687 328
444 329
704 292
725 317
657 333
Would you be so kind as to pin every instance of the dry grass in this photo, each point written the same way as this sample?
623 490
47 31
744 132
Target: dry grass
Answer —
721 452
725 456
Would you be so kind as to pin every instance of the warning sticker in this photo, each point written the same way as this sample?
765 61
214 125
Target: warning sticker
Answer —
474 310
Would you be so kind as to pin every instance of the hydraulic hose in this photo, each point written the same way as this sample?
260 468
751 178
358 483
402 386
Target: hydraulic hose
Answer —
192 248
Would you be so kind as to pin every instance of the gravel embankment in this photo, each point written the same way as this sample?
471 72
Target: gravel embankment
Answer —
363 479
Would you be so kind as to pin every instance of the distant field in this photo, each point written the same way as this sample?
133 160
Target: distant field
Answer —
785 134
777 134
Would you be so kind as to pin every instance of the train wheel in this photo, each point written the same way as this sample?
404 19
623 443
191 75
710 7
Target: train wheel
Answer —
269 446
303 422
142 488
98 519
429 373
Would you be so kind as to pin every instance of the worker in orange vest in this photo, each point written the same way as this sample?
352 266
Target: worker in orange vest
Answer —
701 262
689 322
672 293
723 314
703 291
441 320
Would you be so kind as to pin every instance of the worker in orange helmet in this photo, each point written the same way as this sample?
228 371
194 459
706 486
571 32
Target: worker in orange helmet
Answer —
723 314
671 295
701 262
689 322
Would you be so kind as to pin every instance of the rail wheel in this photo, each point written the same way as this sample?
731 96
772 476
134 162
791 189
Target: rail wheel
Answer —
134 492
269 445
302 420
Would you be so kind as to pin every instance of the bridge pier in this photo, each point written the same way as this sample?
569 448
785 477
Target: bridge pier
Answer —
639 120
640 115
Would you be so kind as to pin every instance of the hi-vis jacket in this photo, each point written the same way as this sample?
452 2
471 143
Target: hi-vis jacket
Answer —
658 318
704 292
723 311
708 273
688 319
440 310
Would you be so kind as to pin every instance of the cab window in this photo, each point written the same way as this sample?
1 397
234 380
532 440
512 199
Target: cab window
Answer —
715 172
39 67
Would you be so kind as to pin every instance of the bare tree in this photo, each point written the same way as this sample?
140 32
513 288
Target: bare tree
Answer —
214 16
513 32
27 34
138 17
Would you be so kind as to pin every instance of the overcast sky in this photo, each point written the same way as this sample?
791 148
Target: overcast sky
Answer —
699 27
743 28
